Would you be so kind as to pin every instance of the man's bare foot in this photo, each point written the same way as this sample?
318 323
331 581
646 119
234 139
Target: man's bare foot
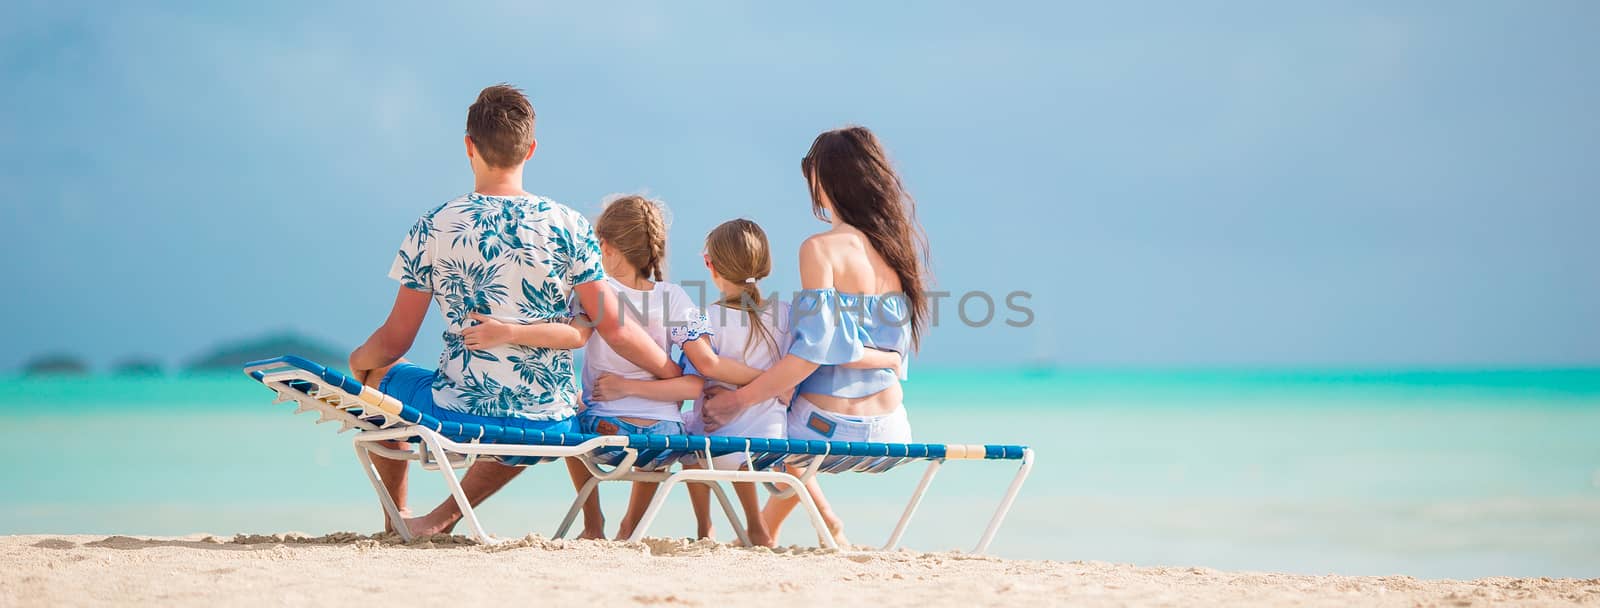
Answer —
388 525
430 524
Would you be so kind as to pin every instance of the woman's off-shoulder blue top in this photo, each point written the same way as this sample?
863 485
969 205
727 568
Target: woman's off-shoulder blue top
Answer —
832 328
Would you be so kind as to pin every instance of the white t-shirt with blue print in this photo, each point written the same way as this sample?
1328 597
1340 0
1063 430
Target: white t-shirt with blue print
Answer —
516 259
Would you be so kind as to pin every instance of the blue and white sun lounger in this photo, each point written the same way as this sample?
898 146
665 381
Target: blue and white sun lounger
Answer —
445 446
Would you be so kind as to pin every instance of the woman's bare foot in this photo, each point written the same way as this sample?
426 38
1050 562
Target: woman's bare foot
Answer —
840 541
836 528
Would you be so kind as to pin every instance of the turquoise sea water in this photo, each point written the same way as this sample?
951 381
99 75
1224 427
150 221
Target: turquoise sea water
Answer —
1440 474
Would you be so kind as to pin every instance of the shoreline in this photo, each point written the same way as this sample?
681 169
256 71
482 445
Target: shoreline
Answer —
343 568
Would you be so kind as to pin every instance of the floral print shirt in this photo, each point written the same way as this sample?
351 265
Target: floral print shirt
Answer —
514 258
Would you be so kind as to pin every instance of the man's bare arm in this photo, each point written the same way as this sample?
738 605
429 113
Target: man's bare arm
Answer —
394 337
625 336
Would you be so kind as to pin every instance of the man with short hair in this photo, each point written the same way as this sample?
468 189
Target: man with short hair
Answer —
504 259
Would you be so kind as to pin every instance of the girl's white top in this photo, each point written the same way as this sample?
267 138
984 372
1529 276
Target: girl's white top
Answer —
664 305
732 337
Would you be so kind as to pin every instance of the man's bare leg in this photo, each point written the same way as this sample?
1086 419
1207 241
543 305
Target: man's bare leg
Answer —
594 521
482 480
392 472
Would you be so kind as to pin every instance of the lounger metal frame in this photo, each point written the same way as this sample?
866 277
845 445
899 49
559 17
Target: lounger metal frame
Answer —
378 418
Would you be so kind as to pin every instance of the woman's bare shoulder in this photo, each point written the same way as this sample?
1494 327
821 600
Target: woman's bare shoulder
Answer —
840 258
841 241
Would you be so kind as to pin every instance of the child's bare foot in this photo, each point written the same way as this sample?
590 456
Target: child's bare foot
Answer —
597 533
624 532
760 538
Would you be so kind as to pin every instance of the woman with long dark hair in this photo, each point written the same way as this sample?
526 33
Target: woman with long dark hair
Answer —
862 310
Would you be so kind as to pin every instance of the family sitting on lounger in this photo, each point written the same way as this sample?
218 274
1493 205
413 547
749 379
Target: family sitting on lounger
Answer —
523 281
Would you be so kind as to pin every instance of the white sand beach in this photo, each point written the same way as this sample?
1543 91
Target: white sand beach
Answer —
343 569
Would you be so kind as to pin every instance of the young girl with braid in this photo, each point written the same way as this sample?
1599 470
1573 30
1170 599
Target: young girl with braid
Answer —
632 231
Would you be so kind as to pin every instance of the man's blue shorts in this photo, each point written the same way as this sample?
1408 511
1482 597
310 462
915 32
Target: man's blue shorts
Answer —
413 385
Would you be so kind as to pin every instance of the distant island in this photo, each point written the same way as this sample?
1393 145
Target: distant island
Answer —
138 366
55 365
233 355
226 357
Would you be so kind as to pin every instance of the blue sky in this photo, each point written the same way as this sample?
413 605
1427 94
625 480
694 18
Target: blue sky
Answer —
1177 183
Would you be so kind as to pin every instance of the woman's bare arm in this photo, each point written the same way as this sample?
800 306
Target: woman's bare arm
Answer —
873 358
815 273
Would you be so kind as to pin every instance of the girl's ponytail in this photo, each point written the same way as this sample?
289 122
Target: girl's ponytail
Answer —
738 251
